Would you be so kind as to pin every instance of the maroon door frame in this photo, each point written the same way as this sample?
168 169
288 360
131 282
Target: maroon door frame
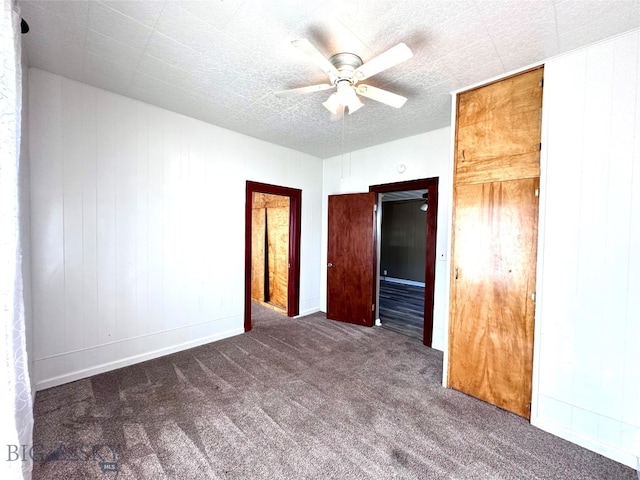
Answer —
431 185
293 283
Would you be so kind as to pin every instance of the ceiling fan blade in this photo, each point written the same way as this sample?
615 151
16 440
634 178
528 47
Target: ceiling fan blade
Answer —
388 59
316 57
294 92
383 96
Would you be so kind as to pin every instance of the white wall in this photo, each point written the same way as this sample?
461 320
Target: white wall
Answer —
587 343
24 193
426 155
138 227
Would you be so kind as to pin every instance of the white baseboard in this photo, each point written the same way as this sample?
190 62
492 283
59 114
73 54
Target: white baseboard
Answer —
403 281
309 311
608 451
113 364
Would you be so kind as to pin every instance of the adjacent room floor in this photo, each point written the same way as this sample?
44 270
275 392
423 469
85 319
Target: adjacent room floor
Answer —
402 308
294 399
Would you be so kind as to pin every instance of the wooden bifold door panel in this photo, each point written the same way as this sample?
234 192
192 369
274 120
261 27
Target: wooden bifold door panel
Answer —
498 130
494 241
491 325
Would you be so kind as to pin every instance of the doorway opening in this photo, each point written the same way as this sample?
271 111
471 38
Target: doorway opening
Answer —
406 256
402 261
272 248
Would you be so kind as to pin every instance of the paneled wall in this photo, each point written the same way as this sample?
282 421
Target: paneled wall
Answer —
587 342
424 156
138 227
24 192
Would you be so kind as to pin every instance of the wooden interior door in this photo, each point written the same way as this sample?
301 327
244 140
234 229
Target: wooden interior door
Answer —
494 267
351 258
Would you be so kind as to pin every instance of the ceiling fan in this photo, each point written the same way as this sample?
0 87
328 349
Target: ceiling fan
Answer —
345 71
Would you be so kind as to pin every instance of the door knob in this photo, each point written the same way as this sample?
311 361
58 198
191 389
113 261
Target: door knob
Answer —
329 265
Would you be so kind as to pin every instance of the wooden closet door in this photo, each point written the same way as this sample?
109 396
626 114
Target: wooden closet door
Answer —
494 240
498 130
493 280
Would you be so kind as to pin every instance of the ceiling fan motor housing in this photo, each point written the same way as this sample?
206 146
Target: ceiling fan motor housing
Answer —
345 63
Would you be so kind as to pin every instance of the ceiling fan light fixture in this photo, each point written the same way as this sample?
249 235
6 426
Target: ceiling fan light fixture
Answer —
425 206
344 91
346 95
345 70
354 106
333 104
354 103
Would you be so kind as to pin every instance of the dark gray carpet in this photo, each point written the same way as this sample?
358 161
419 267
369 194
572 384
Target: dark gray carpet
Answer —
294 399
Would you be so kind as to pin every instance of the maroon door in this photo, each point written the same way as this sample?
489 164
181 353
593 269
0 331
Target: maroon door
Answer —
351 258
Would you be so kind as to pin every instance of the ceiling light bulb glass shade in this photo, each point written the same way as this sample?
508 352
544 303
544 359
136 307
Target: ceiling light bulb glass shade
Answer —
333 104
344 91
354 105
347 96
424 207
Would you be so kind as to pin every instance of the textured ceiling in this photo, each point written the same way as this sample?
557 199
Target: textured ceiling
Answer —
221 60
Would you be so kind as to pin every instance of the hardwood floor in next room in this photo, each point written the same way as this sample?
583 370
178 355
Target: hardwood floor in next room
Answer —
402 308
